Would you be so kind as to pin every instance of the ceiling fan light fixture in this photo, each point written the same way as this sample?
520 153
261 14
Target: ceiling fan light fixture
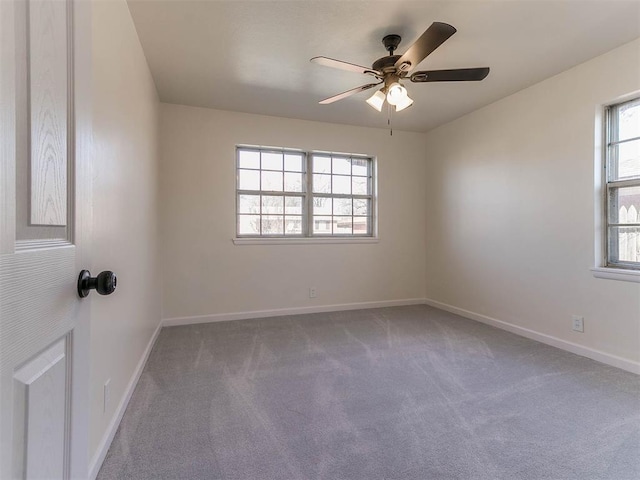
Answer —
390 70
396 93
404 103
377 100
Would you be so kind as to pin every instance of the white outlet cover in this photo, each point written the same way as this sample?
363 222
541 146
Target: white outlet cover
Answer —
578 323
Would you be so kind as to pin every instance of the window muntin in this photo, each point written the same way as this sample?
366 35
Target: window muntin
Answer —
289 193
623 185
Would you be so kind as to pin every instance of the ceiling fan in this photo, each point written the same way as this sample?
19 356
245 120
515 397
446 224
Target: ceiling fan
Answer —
391 69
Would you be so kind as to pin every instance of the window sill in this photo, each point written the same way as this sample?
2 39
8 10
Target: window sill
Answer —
303 240
617 274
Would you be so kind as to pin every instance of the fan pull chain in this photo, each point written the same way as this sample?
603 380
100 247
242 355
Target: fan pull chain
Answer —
389 119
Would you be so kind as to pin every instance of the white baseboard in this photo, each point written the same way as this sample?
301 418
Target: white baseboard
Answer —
223 317
613 360
98 458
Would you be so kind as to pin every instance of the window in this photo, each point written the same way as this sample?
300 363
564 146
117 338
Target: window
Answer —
289 193
623 185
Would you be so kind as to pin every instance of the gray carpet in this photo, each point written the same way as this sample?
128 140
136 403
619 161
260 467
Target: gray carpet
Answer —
394 393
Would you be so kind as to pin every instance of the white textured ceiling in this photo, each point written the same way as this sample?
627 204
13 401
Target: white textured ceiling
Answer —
253 56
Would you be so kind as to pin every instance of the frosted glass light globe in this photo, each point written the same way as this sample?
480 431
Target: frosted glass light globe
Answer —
396 93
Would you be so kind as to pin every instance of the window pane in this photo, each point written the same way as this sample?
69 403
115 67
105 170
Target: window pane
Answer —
624 244
342 225
272 181
341 184
361 225
293 205
271 161
624 205
629 120
360 186
341 165
293 162
272 204
626 158
249 224
248 179
248 159
321 206
293 225
321 164
272 225
342 206
322 225
360 207
249 204
321 183
293 182
360 167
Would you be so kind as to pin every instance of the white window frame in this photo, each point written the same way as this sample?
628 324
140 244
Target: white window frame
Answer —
611 267
307 235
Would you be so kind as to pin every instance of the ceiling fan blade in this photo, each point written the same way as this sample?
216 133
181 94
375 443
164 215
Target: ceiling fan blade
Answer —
348 93
431 39
456 75
350 67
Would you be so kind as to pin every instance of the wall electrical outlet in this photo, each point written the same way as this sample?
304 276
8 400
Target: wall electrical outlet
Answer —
106 396
578 323
312 292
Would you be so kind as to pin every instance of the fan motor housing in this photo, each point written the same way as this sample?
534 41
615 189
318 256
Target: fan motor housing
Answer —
386 64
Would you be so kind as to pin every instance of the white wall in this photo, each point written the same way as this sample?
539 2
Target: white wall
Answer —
125 209
510 223
204 273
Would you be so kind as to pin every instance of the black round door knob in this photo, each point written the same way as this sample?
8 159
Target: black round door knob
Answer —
104 283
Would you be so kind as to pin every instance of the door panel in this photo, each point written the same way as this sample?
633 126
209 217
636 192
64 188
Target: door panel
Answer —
47 50
44 115
42 390
45 65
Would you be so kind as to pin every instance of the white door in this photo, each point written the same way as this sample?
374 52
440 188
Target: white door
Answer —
45 134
